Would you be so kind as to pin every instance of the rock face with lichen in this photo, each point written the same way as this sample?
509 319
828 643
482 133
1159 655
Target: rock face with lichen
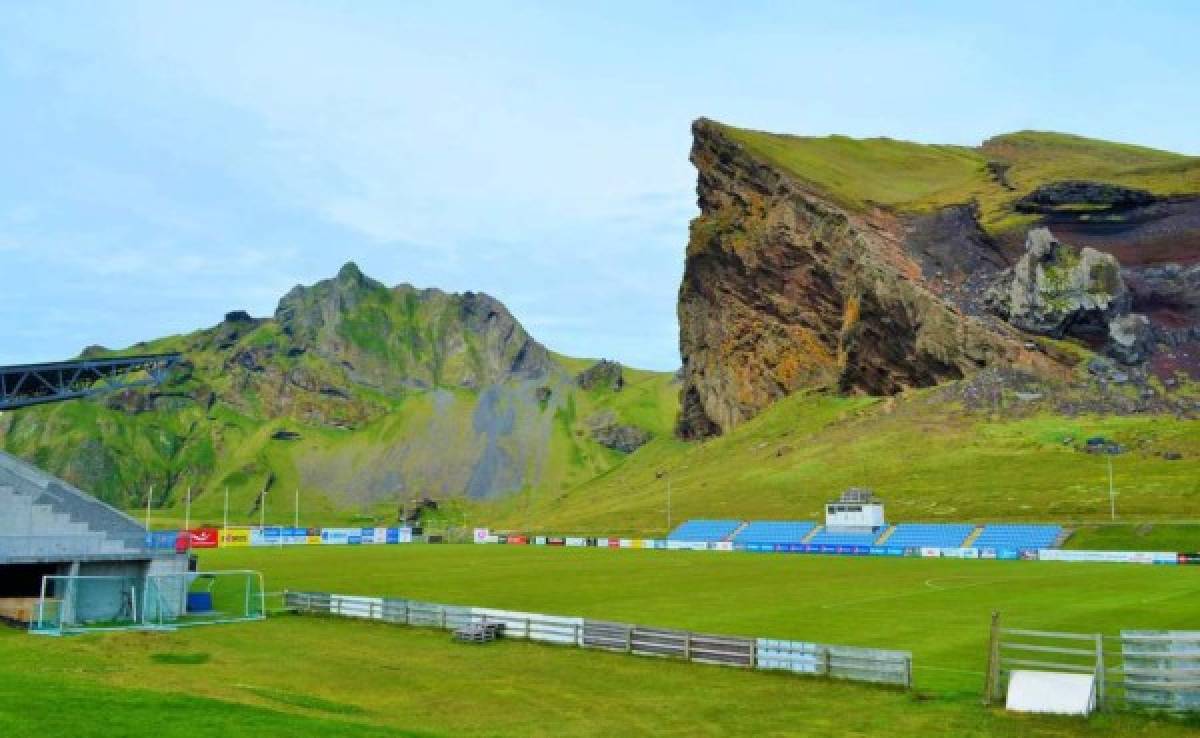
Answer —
1058 291
784 289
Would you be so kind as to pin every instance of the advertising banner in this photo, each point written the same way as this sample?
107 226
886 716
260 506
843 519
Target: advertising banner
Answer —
930 553
575 541
555 541
336 536
518 540
1187 558
539 540
1109 557
203 537
721 546
481 535
612 542
235 537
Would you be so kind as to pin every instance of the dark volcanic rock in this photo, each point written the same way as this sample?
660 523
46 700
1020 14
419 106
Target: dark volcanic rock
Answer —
1080 192
603 373
238 316
605 430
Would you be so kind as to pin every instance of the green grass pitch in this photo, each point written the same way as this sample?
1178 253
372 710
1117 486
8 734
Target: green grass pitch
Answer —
340 677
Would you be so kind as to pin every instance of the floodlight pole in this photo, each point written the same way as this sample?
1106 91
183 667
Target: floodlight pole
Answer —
149 497
262 510
187 514
668 502
225 518
297 522
1112 494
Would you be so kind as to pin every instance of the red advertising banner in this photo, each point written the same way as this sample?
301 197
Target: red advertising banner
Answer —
203 537
518 540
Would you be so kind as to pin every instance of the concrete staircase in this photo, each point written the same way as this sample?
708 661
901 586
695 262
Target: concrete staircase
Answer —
882 539
737 530
812 534
972 537
43 517
1065 534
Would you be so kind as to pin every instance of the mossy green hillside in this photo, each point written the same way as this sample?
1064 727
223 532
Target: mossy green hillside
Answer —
929 458
914 177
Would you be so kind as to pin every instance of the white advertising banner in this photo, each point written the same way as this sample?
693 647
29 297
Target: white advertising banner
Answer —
481 535
1108 557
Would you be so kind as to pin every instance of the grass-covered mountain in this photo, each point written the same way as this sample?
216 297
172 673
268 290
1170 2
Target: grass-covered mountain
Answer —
359 396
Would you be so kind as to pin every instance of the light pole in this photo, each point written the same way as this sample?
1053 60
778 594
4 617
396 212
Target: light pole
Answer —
1112 492
668 503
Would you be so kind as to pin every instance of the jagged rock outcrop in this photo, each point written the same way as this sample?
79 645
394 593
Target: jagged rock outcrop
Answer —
1057 291
606 430
784 288
405 337
1050 196
603 373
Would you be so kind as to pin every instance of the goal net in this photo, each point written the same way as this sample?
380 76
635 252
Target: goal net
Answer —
73 604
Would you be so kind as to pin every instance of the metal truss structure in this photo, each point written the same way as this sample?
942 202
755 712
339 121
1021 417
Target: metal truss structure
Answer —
35 384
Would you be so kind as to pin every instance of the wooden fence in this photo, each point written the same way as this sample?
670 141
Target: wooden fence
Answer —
839 662
1155 670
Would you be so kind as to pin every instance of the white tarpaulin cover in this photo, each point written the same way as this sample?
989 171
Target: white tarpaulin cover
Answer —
1051 692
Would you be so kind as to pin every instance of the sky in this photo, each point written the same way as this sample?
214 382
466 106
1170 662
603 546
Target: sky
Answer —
163 163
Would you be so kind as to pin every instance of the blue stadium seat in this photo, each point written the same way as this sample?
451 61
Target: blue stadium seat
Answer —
844 538
774 531
931 535
1010 535
704 531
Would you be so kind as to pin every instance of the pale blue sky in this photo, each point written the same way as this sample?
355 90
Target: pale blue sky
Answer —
166 162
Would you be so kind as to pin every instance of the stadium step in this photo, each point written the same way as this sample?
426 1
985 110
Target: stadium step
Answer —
739 529
1063 535
886 535
973 537
812 534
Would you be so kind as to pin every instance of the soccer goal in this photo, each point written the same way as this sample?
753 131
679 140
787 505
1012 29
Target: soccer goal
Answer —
75 604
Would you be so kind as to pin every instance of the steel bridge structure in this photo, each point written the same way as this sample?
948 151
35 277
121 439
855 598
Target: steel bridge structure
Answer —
36 384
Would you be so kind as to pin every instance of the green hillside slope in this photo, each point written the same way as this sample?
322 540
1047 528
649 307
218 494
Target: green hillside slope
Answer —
917 177
929 455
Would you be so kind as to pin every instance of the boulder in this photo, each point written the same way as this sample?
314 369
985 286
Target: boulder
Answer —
1057 291
1130 338
606 431
603 373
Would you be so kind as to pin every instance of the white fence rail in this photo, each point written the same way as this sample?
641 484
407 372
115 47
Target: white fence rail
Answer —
839 662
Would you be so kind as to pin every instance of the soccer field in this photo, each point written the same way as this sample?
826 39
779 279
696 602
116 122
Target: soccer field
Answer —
937 608
306 675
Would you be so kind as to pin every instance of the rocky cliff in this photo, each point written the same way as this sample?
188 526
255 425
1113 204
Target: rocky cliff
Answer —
865 266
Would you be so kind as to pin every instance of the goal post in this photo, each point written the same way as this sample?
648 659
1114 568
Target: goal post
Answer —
76 603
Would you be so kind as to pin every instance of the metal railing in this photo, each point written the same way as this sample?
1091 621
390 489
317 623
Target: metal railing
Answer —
1144 670
838 662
